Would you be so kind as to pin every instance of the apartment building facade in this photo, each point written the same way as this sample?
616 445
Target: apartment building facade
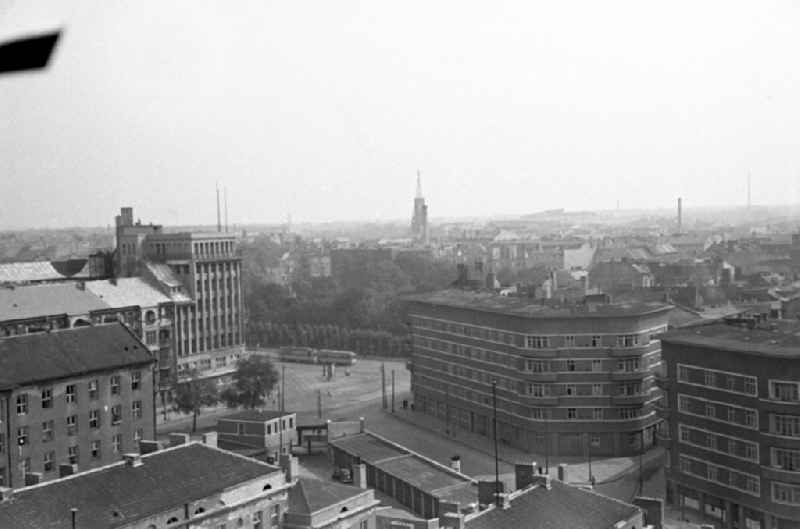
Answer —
79 397
732 410
208 326
570 379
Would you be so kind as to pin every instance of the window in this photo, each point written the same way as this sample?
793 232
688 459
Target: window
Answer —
138 434
116 442
258 520
684 433
572 413
785 493
2 443
597 365
221 361
47 398
786 425
597 389
730 383
22 435
136 380
750 418
708 378
594 440
569 341
596 341
69 393
683 373
597 414
115 385
72 452
116 414
750 385
94 419
95 449
537 342
49 457
751 451
570 365
786 459
784 391
72 425
22 404
536 366
627 340
536 390
136 408
711 410
150 337
47 431
628 413
275 515
93 389
537 413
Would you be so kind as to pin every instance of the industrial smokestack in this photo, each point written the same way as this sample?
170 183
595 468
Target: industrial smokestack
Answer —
680 215
219 218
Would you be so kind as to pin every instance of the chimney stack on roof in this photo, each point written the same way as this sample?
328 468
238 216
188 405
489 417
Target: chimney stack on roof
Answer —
132 460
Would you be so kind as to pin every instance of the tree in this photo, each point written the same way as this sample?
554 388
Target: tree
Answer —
254 379
192 395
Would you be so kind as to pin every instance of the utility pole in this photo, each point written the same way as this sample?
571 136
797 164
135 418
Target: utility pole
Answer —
383 385
589 454
319 403
283 388
547 441
392 390
496 459
641 464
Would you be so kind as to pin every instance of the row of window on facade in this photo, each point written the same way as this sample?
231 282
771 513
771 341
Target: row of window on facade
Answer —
577 413
208 343
257 518
71 424
49 457
204 364
781 390
71 392
214 248
538 341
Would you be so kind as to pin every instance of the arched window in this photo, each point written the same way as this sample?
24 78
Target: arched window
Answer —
344 509
199 510
172 520
267 487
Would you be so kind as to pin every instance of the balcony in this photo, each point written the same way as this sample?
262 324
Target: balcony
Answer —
547 400
628 400
662 412
629 375
542 376
662 380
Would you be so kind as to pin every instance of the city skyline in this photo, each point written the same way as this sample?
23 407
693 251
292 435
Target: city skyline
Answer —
578 112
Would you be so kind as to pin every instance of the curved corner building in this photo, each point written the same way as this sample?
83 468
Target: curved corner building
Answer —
570 379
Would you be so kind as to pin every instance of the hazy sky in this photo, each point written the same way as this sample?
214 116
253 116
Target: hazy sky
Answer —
326 109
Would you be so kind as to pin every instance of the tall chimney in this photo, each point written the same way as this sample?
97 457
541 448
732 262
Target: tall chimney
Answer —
219 218
680 215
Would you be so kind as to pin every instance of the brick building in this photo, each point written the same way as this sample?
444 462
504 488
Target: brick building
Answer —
273 431
733 422
569 378
79 396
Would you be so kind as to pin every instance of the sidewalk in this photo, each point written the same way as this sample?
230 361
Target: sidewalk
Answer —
604 469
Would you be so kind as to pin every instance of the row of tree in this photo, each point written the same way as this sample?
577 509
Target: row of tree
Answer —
254 380
328 336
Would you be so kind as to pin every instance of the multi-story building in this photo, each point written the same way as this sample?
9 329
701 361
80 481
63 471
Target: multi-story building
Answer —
419 220
79 396
207 332
569 378
733 422
189 485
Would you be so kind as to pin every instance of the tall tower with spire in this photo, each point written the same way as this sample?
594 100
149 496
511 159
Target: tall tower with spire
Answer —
419 221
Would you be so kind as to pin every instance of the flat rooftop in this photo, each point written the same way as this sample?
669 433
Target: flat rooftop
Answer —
256 415
370 449
779 338
525 307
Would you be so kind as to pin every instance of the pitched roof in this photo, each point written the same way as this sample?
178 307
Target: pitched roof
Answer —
126 292
163 273
561 506
52 355
29 271
33 301
312 495
118 494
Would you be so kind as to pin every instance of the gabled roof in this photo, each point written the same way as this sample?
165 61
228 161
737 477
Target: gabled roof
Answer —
38 357
312 495
558 508
163 274
33 301
118 494
29 271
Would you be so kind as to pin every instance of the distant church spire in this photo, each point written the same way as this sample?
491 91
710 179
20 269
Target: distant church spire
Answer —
419 185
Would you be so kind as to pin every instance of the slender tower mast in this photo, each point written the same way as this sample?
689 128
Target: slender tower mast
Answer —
225 195
219 219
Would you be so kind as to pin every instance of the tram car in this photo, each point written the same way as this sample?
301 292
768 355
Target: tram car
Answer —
309 355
